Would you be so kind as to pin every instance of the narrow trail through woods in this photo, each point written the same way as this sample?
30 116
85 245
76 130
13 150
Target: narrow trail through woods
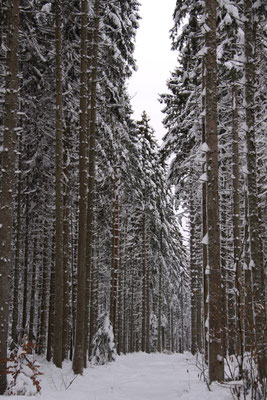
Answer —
137 376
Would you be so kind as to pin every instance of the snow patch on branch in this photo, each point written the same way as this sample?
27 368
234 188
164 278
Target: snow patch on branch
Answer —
46 8
204 147
203 177
205 239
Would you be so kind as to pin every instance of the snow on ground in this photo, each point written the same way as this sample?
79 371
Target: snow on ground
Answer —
137 376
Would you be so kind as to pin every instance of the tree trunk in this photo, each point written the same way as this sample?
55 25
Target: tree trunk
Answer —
147 300
8 170
59 275
193 279
51 314
194 274
26 261
199 292
204 225
115 260
228 315
256 249
66 247
66 289
159 345
74 230
120 291
15 305
144 283
249 323
236 224
125 346
92 68
78 359
44 310
33 291
215 351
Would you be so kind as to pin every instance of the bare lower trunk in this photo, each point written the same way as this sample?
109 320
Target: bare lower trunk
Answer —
44 311
236 227
51 313
115 262
15 303
26 262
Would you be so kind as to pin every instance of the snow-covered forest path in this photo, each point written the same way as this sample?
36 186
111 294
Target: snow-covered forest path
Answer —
137 376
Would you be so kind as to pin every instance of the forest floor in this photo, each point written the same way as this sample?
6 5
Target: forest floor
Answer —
137 376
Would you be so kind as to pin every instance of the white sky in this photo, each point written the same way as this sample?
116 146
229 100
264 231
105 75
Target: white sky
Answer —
155 60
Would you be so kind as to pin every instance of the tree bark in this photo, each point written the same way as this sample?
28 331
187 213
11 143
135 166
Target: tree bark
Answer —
51 313
8 170
144 283
159 344
33 290
147 296
90 265
15 305
59 274
78 359
215 351
66 245
44 295
26 261
237 224
256 263
193 276
204 225
115 259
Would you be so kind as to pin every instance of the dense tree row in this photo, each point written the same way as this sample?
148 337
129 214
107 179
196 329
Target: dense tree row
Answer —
90 249
215 115
87 227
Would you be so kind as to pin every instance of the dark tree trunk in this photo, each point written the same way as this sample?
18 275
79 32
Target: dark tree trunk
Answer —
59 274
7 183
44 294
256 262
33 290
204 225
115 261
15 305
51 313
26 262
236 224
215 350
90 265
66 247
79 348
144 283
